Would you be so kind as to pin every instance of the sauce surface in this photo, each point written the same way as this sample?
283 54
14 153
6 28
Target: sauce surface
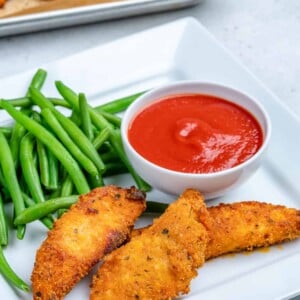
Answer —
195 134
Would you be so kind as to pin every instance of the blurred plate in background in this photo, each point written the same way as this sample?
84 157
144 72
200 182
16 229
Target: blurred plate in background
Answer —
23 22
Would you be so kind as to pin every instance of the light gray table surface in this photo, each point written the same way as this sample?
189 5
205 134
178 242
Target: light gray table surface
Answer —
264 35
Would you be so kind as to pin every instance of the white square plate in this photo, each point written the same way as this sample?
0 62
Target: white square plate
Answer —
178 51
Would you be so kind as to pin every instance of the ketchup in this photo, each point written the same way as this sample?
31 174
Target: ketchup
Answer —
195 133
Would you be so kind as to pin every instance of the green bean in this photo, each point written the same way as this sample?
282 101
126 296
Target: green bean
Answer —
2 181
66 190
85 117
155 207
23 185
84 143
118 105
112 107
10 275
105 147
18 102
18 132
35 159
101 138
110 156
42 157
60 212
81 158
37 80
43 164
115 168
53 144
41 210
25 102
29 170
4 189
59 102
7 131
3 225
115 120
96 181
11 181
67 187
74 132
6 196
36 116
71 97
47 221
53 165
100 122
54 194
75 118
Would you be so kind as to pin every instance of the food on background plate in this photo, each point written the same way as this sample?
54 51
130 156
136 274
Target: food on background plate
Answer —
10 8
160 260
97 224
196 133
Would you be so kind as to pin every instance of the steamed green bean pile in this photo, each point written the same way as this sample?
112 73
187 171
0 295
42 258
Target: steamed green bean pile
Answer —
48 158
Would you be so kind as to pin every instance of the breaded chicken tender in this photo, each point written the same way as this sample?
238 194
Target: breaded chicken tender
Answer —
247 225
97 224
244 226
161 261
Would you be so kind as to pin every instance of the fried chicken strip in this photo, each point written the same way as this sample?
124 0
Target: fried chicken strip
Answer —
98 223
243 226
160 262
247 225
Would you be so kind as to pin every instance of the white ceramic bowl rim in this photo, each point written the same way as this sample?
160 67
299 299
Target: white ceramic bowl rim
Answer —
126 122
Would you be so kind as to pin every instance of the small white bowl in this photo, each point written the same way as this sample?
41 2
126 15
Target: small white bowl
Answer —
211 184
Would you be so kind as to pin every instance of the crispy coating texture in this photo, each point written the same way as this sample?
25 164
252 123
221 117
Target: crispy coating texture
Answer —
98 223
181 221
244 226
247 225
161 261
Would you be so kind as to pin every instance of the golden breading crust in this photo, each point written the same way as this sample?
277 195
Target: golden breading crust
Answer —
246 225
243 226
98 223
159 263
181 220
2 2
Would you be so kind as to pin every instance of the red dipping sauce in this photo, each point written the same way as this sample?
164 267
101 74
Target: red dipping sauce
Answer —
195 133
